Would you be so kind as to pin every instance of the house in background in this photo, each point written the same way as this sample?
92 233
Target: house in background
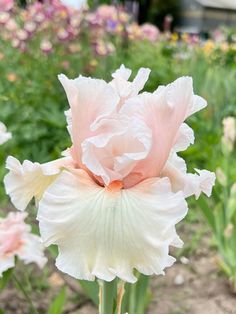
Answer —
198 16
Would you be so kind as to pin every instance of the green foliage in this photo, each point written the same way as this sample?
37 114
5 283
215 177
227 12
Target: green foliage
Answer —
57 305
91 290
5 278
220 212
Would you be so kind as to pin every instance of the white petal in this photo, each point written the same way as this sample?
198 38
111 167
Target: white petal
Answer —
125 88
198 104
28 180
106 233
75 4
6 263
32 250
184 138
189 183
140 80
4 135
207 181
122 72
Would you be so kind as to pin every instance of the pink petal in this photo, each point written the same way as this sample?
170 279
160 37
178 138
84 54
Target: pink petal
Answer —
90 100
163 112
121 143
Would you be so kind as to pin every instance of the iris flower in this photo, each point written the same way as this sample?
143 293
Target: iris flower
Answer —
16 239
4 135
112 202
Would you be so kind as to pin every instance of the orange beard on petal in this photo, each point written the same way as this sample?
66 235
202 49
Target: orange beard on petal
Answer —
114 186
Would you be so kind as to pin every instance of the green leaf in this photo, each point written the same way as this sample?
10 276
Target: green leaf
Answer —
91 289
143 294
58 303
5 279
207 212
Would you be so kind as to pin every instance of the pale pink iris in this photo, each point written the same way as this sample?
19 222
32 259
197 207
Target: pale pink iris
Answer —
17 240
112 203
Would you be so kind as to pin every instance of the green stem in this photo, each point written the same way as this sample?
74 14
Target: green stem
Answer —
33 309
106 296
120 294
132 298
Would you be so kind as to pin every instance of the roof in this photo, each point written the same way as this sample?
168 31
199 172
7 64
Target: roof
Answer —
221 4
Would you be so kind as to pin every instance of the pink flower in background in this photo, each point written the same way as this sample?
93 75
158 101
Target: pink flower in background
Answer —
46 46
6 5
11 26
63 34
107 12
150 32
134 31
4 135
112 203
104 48
30 27
16 240
22 35
4 17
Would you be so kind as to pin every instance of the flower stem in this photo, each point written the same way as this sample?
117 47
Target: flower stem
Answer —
20 286
120 294
106 296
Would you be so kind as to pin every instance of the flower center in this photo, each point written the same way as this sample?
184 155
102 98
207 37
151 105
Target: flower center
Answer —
114 186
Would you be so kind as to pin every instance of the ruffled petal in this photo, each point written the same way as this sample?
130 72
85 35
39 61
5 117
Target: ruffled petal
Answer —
112 155
106 233
6 263
27 180
197 104
207 181
123 87
185 137
32 250
122 72
90 100
163 112
189 183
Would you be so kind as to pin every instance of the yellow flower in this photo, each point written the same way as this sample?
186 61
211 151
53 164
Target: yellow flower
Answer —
174 37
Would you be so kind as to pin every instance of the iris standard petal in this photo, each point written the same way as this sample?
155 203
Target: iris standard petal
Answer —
116 150
90 100
163 112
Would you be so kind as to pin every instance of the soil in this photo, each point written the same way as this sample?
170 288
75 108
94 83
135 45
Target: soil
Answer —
192 286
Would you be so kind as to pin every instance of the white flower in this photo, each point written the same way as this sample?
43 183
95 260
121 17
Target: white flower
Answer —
4 135
111 205
75 4
229 136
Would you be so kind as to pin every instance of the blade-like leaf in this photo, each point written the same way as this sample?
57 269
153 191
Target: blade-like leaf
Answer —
57 305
